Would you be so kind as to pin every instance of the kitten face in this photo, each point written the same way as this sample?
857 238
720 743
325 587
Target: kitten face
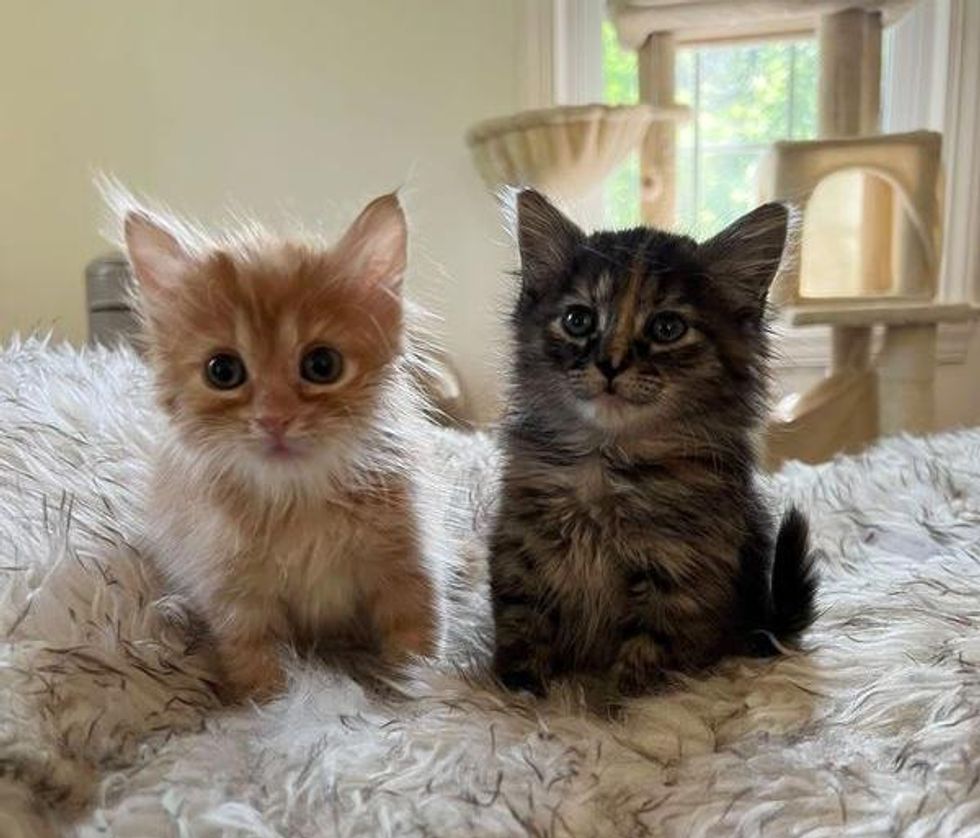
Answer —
624 340
273 359
640 326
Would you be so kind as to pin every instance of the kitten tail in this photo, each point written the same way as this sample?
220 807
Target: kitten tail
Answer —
794 578
782 610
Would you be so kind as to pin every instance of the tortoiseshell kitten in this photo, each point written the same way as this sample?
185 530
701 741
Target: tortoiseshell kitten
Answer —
630 539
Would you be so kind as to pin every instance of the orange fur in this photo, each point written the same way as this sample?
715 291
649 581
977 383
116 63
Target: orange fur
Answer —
314 539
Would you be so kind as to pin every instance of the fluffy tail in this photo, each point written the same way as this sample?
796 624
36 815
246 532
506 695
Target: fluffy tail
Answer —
778 609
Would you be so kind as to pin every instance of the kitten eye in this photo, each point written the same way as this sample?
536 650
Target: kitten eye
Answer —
225 371
578 321
321 365
665 327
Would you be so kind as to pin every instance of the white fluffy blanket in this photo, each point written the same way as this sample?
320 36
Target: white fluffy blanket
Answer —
108 724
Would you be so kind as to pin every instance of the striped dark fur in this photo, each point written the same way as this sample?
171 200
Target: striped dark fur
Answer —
630 538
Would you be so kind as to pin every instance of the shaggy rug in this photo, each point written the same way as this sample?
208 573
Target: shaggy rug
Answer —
109 725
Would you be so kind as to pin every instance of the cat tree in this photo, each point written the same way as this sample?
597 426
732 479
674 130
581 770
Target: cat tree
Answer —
900 249
896 182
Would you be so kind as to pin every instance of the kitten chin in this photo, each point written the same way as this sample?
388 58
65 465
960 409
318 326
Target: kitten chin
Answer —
286 494
610 413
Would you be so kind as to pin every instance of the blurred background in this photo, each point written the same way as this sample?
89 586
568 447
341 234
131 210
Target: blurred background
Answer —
308 108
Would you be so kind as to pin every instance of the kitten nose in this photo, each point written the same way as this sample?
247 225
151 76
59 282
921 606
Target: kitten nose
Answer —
273 425
609 369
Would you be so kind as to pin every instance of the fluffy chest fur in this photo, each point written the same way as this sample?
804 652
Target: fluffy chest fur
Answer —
316 561
308 566
608 515
582 513
580 539
604 540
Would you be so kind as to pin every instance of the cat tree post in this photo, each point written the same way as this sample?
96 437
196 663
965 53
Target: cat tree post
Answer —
850 81
906 379
850 105
658 152
850 349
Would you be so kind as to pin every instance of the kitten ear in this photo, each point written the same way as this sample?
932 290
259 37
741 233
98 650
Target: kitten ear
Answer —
157 257
546 238
375 246
747 252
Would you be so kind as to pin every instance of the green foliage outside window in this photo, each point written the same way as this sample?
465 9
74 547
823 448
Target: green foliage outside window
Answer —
744 96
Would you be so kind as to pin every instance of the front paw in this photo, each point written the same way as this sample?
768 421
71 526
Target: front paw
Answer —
523 680
256 675
518 670
402 645
639 666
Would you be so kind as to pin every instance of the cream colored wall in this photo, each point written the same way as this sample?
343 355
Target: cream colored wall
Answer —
308 105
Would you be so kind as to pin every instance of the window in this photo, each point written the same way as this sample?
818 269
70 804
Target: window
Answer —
743 96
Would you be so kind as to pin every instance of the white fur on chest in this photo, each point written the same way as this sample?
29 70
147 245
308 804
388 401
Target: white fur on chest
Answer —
307 572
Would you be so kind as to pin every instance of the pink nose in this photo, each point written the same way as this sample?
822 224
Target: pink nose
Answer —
274 425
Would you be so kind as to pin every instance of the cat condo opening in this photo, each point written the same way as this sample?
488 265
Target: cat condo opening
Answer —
872 209
834 212
863 215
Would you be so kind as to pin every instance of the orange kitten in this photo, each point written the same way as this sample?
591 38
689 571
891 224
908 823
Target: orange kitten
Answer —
283 501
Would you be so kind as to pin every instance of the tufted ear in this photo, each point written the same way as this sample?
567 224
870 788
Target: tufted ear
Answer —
158 259
375 246
547 239
747 253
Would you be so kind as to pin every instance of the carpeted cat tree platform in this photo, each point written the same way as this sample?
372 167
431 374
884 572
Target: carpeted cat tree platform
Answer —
109 725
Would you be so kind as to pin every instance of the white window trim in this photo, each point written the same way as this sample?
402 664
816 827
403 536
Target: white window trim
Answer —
961 149
932 80
561 52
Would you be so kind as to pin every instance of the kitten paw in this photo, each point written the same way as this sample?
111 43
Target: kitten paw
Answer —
259 677
523 680
402 645
639 666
